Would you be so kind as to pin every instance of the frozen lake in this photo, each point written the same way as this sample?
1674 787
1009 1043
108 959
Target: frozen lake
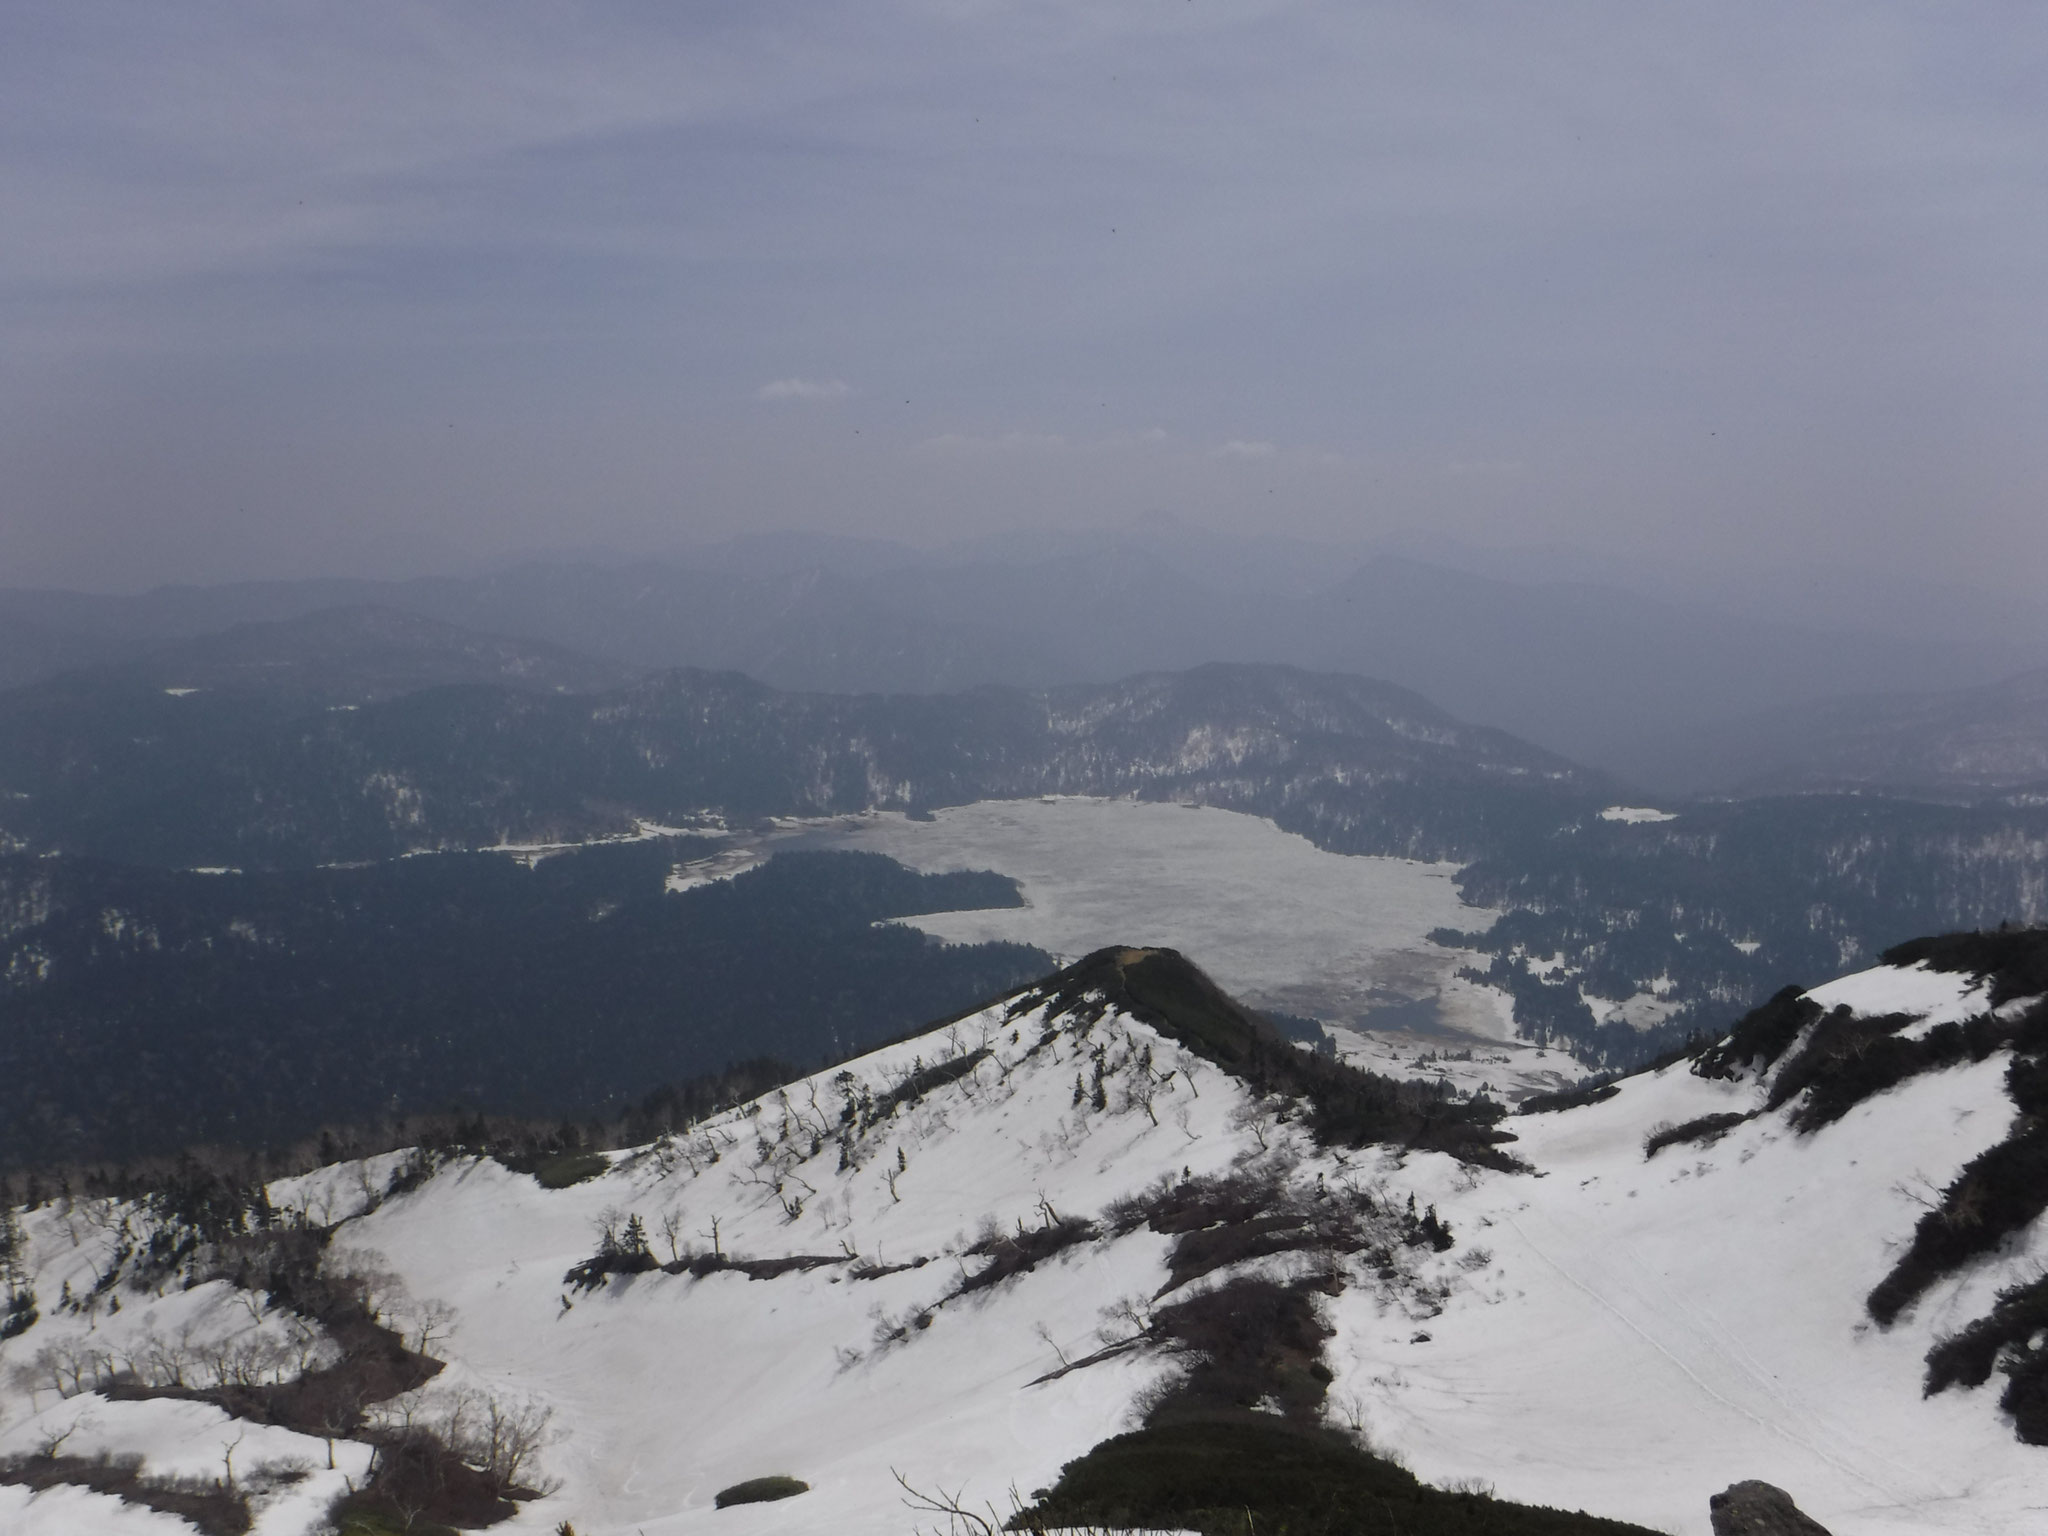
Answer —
1277 921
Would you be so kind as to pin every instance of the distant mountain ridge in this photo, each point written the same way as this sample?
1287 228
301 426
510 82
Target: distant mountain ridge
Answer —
1965 741
109 763
361 655
1680 914
1601 674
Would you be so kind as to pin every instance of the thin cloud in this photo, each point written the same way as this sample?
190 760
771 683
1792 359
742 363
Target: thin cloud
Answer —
804 389
1633 249
959 443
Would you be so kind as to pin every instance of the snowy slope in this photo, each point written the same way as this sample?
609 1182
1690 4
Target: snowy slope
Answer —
1649 1330
1609 1332
1649 1327
671 1387
731 1378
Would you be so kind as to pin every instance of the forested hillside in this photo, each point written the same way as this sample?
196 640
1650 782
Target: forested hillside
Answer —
1676 918
142 1010
115 766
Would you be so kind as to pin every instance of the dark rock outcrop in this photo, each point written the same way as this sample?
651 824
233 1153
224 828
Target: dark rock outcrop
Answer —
1758 1509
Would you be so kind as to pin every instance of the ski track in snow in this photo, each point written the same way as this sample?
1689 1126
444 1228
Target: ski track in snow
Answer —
1710 1345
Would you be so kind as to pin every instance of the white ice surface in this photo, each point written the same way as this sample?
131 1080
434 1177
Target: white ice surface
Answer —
1279 922
1276 920
722 865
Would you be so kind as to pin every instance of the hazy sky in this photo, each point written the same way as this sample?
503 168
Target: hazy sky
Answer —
291 287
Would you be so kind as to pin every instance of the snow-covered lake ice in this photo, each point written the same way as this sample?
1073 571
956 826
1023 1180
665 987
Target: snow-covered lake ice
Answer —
1279 922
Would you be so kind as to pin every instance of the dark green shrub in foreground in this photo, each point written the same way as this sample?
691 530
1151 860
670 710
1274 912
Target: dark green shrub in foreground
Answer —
1707 1129
2005 1340
558 1170
761 1490
1256 1475
2015 958
1998 1192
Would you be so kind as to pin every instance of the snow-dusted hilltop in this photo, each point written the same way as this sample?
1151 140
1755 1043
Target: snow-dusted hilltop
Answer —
1112 1206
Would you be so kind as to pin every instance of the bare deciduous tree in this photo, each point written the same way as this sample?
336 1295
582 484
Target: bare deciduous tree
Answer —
372 1276
427 1322
961 1520
1127 1317
507 1437
672 1232
50 1444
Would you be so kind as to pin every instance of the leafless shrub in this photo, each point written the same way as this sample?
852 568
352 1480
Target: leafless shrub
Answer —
960 1520
370 1275
1156 1394
500 1436
50 1444
1470 1487
213 1507
898 1330
67 1367
425 1323
1127 1317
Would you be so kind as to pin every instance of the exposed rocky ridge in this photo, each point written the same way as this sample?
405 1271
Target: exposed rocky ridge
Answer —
1345 1106
1758 1509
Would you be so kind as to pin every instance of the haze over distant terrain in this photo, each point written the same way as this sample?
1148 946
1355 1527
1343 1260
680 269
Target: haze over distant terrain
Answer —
1749 294
1677 692
1261 766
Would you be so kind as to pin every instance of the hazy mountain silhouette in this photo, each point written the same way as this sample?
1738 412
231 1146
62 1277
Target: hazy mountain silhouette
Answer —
1631 682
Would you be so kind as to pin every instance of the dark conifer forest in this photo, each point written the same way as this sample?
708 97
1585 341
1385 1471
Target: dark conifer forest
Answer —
150 1009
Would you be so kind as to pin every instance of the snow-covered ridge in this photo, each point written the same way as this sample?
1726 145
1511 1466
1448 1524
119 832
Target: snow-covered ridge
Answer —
1610 1331
891 1167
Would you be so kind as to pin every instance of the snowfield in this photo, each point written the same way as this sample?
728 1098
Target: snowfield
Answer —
1651 1329
1607 1332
